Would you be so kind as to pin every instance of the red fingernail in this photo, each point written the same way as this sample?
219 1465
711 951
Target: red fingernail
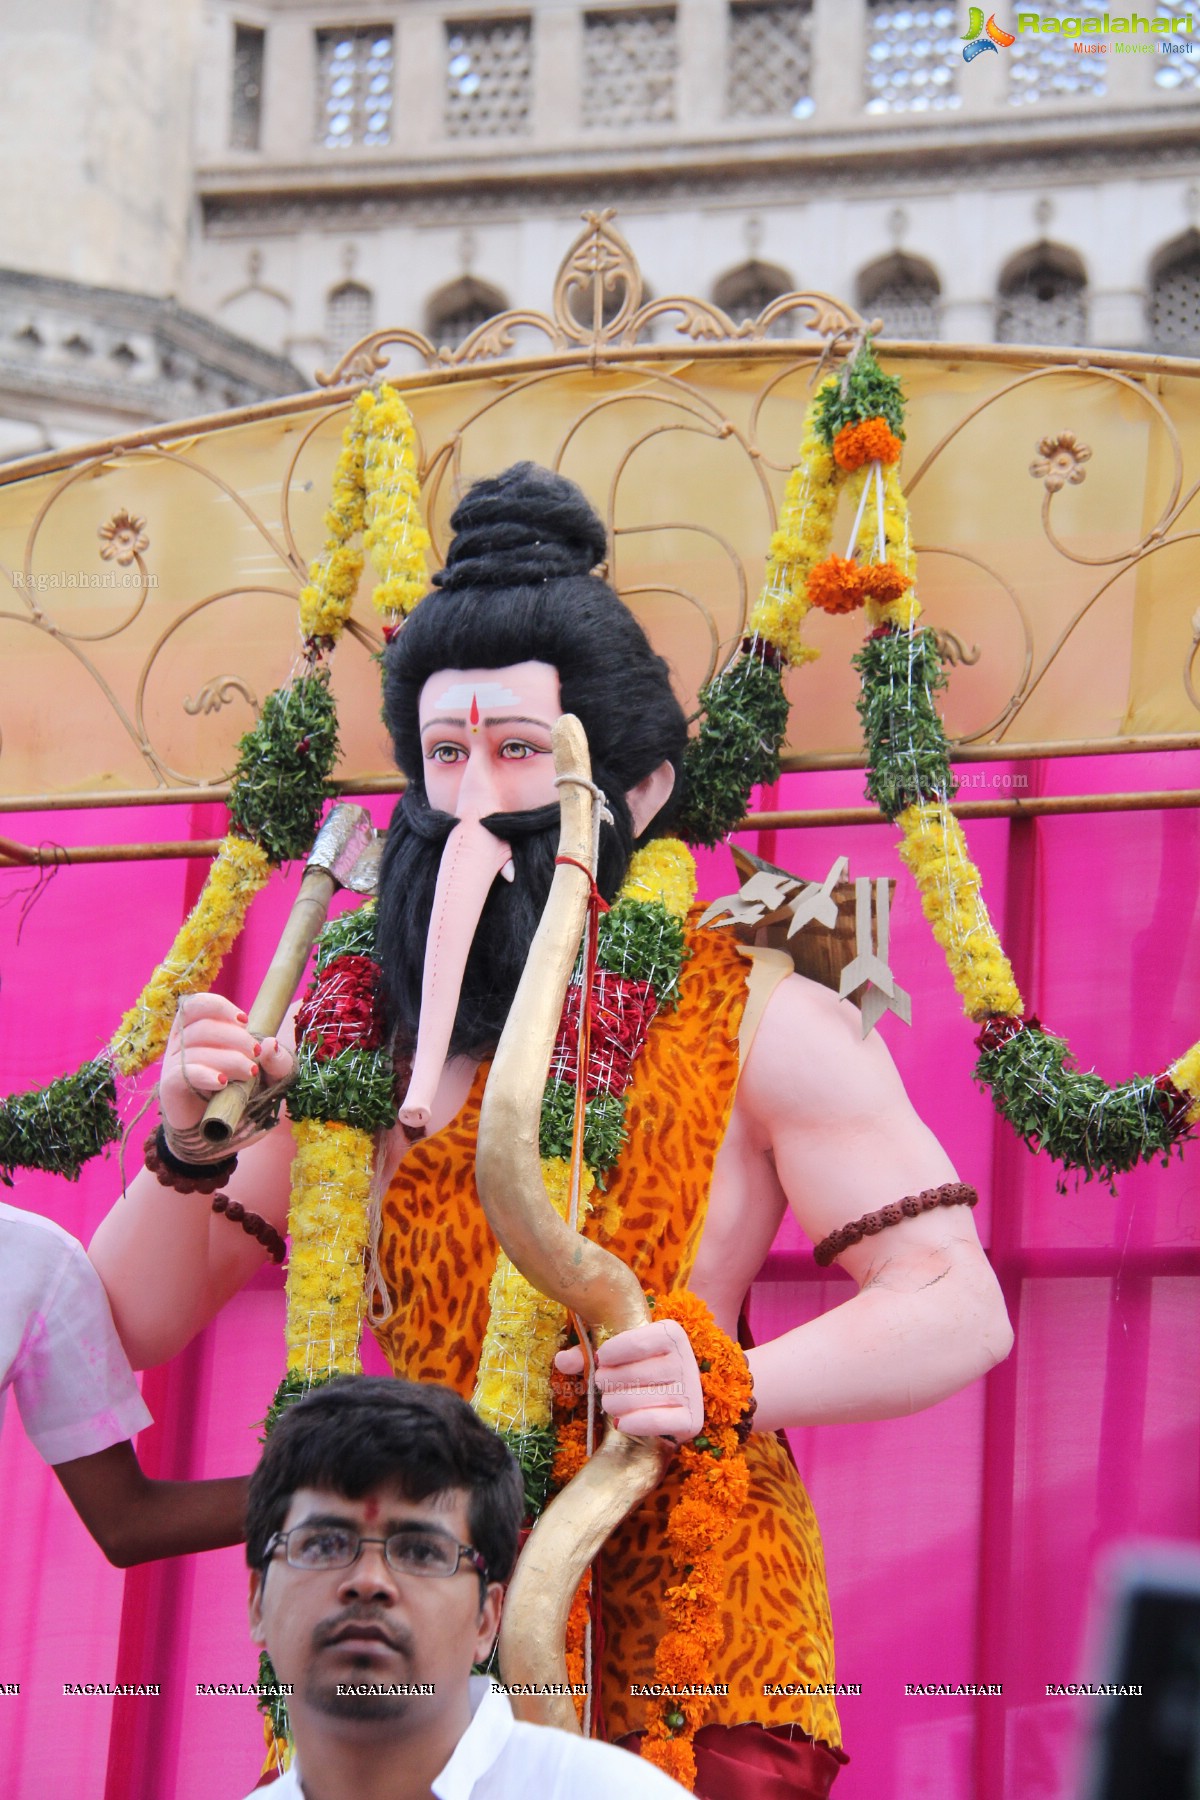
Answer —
221 1080
257 1050
254 1068
243 1018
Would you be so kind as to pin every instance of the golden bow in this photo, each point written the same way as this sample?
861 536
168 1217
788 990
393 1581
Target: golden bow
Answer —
588 1280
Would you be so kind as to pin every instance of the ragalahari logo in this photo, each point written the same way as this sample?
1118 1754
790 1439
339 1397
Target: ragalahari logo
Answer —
976 42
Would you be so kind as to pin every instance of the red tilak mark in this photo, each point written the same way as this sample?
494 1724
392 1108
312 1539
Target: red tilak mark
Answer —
370 1511
474 713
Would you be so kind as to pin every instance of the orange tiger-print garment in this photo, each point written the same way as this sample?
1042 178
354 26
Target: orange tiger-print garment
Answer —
437 1255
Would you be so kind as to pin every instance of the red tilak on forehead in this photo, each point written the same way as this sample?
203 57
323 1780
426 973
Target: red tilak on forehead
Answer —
371 1510
474 713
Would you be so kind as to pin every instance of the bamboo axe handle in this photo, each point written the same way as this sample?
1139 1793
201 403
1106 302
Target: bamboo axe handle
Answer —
223 1114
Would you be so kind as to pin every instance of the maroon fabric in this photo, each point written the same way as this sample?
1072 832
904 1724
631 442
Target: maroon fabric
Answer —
754 1762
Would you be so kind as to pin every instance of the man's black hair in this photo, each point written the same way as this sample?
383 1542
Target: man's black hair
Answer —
359 1431
517 587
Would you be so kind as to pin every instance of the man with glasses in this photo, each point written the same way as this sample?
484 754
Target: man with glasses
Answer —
382 1523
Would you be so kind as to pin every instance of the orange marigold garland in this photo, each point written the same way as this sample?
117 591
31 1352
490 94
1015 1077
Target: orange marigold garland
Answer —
836 585
716 1483
883 582
870 440
576 1644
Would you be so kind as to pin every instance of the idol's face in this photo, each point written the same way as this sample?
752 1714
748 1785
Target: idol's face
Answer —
485 739
370 1624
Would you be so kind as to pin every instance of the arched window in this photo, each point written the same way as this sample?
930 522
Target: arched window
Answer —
903 291
349 315
456 309
744 292
1042 298
1173 297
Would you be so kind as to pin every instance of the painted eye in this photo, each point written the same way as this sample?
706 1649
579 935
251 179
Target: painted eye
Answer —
517 751
445 753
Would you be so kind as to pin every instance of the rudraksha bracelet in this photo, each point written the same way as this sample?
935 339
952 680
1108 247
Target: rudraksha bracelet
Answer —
185 1177
250 1223
951 1193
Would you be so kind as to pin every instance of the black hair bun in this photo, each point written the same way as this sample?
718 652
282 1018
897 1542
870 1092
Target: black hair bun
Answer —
522 527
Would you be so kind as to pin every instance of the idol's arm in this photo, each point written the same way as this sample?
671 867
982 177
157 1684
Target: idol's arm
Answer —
168 1263
834 1123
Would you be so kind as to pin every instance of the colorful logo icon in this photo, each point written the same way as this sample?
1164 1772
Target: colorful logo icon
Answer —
975 40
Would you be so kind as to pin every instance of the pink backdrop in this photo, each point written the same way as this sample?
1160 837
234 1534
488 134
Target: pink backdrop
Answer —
961 1544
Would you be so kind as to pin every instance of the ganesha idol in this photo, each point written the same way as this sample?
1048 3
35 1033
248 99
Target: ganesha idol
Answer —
738 1089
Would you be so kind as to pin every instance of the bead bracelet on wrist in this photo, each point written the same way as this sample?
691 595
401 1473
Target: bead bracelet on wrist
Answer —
185 1177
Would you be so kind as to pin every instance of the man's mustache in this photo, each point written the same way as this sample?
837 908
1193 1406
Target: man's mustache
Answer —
434 827
394 1635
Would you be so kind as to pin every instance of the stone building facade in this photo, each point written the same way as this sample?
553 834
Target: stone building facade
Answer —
426 164
96 332
209 202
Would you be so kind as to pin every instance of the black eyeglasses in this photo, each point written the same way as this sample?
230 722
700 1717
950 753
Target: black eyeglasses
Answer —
409 1552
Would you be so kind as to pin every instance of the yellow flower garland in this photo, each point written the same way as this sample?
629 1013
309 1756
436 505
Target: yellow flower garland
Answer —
801 540
512 1385
664 871
328 1222
328 595
1186 1075
933 847
395 532
375 474
904 612
239 870
376 491
934 851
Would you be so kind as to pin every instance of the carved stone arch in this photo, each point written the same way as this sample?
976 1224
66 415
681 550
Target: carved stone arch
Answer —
743 292
1173 295
905 292
457 309
257 312
1041 297
349 315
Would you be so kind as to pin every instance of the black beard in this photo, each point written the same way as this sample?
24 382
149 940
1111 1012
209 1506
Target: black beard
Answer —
511 913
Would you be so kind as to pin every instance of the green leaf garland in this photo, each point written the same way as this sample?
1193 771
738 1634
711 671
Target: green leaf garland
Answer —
745 716
59 1128
908 757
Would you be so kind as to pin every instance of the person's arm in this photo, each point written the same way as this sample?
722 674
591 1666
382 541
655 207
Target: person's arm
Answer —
136 1520
167 1261
838 1134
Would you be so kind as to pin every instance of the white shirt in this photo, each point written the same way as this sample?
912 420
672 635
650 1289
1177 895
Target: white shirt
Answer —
500 1758
59 1349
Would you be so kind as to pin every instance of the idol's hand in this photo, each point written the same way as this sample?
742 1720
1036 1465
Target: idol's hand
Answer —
648 1380
210 1046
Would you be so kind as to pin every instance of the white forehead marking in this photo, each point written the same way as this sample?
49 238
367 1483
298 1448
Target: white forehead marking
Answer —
488 693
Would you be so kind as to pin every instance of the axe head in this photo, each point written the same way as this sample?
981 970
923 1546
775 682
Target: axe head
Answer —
348 848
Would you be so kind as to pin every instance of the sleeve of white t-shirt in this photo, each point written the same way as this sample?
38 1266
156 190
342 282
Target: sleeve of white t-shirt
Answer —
72 1380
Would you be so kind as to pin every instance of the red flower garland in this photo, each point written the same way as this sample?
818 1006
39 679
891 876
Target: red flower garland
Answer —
341 1010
